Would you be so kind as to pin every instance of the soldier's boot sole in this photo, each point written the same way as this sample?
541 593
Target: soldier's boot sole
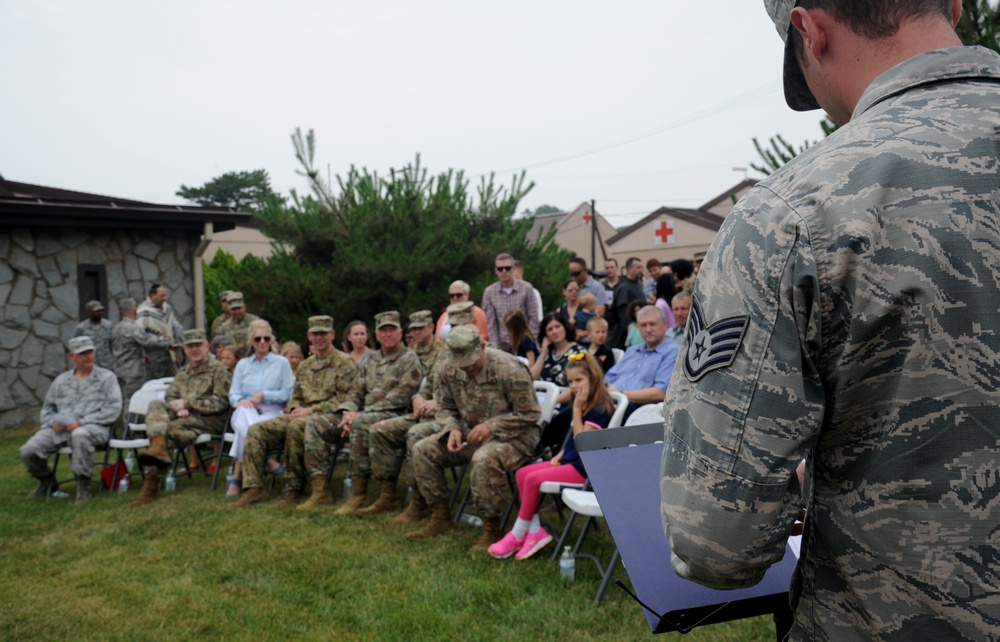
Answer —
253 495
150 491
156 454
416 511
440 523
388 500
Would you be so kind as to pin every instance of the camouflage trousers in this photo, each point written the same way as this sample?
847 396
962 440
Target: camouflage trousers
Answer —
387 441
489 465
322 438
47 442
268 436
361 463
180 431
161 364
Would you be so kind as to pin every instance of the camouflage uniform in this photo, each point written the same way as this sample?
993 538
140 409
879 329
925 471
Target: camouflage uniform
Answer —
847 313
217 325
205 388
502 396
385 385
95 402
162 323
321 385
100 334
237 334
127 343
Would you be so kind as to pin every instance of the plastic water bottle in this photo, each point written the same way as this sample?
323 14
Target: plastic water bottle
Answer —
60 494
123 485
567 565
171 483
129 462
347 485
471 520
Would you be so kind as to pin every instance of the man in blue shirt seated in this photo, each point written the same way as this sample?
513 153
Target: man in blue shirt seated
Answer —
644 371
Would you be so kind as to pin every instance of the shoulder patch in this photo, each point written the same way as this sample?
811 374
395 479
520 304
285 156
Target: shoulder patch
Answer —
713 347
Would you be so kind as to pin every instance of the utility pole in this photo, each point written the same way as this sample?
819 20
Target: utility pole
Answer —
593 234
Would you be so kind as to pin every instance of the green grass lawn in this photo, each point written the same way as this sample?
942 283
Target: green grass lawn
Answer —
187 568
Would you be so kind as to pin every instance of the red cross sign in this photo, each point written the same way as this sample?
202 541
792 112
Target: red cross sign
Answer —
664 235
586 217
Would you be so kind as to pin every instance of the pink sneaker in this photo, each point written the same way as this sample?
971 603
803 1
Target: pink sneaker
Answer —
506 547
533 542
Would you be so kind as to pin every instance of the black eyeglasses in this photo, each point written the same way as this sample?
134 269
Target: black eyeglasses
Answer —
504 268
577 273
456 295
261 339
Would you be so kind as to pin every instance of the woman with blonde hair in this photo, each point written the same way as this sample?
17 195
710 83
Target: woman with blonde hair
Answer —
592 408
262 386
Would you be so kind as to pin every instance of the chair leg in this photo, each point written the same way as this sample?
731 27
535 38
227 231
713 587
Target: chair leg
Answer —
609 572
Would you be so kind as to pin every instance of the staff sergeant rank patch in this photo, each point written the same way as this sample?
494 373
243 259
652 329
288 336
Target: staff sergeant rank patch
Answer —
713 347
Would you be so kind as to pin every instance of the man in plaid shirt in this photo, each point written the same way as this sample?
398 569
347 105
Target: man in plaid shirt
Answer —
508 293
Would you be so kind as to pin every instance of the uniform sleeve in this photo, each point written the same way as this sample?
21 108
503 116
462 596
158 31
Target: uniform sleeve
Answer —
524 413
406 374
739 420
347 380
354 400
447 415
108 404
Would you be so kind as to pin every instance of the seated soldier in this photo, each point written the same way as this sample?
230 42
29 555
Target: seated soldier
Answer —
644 371
322 384
197 402
488 415
386 382
80 406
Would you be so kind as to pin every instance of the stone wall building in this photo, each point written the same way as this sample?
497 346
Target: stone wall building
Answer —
60 249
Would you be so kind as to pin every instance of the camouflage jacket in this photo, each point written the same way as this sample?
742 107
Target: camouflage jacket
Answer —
431 358
847 313
127 343
237 333
95 401
501 395
216 327
386 382
204 386
100 334
322 383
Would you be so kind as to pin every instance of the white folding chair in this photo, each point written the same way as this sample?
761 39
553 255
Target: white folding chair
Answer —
619 353
157 384
648 414
584 502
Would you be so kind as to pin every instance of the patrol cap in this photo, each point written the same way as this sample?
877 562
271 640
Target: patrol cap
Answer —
192 337
797 93
93 305
464 342
235 300
421 319
80 344
321 323
127 302
383 319
224 296
460 313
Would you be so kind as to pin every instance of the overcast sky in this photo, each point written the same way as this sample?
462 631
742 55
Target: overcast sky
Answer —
635 104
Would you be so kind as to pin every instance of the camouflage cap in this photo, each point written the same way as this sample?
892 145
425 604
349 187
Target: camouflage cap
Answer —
321 323
464 343
224 296
80 344
797 93
127 302
235 300
93 305
461 313
421 319
383 319
192 337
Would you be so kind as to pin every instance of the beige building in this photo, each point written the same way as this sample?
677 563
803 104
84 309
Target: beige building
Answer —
574 232
676 233
243 240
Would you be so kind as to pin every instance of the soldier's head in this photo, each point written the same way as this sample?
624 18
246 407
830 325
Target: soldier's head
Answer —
158 294
422 327
388 330
196 345
680 305
95 311
467 350
461 313
237 309
81 353
652 325
126 308
503 265
224 301
320 335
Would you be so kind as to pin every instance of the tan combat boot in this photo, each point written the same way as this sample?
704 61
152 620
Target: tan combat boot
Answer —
253 495
359 495
321 495
150 490
491 533
156 454
388 500
290 497
415 511
440 523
